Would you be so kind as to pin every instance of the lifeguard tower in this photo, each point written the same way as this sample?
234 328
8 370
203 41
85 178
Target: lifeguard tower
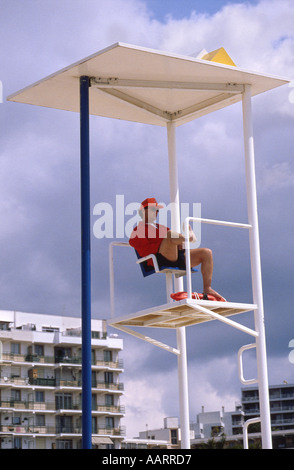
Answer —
154 87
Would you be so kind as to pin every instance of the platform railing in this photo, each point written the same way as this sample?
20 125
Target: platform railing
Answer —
188 243
245 430
187 247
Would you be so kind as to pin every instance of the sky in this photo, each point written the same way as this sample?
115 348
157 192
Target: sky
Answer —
39 186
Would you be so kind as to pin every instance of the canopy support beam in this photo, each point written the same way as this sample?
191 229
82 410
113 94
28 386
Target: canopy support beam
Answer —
200 109
135 102
227 93
100 82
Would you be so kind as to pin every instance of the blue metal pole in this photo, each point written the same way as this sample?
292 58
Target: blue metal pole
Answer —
86 264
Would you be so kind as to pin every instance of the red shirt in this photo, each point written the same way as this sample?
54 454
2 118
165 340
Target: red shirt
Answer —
147 238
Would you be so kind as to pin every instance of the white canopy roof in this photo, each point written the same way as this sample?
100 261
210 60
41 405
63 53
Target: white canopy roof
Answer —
148 86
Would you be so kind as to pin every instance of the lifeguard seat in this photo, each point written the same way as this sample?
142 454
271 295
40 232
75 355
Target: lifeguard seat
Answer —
147 270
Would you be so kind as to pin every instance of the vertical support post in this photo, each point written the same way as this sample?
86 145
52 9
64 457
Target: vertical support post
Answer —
256 270
85 264
181 332
169 285
111 280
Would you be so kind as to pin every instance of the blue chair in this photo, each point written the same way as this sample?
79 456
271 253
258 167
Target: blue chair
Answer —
147 270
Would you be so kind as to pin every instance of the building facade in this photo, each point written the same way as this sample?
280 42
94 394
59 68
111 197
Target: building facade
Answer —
281 409
170 433
218 423
40 383
226 427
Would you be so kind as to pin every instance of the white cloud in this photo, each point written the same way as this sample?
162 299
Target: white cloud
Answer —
258 37
278 176
154 395
213 384
143 400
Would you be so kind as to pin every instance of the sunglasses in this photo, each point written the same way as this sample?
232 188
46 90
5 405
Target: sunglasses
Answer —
153 209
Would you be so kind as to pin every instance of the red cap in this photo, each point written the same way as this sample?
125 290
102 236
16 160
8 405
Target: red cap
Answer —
150 201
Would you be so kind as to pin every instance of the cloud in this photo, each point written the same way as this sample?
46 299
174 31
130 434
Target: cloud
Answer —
148 399
213 383
279 176
257 36
143 399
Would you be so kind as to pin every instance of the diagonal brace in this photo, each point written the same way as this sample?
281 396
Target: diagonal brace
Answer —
146 338
137 103
226 320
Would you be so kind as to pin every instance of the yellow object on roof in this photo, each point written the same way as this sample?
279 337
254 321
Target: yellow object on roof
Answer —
219 55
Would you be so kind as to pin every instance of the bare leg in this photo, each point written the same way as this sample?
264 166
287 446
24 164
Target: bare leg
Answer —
169 249
204 257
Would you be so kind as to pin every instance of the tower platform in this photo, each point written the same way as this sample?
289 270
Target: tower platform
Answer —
184 312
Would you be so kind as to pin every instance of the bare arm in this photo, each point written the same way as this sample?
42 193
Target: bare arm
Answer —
178 238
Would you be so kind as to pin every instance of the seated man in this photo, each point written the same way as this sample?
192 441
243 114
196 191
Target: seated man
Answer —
148 237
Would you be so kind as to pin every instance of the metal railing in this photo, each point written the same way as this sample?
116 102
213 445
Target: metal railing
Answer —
35 429
187 242
27 405
27 429
245 430
52 406
77 360
43 382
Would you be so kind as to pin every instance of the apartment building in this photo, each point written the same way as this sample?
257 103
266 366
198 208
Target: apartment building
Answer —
40 383
170 433
217 423
281 410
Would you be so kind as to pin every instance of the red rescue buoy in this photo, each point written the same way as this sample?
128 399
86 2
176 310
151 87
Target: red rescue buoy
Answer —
195 295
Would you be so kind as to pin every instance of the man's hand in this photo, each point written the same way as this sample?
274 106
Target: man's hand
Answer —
192 236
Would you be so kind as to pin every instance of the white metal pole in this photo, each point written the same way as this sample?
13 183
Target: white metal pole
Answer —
181 332
256 271
174 187
183 388
111 280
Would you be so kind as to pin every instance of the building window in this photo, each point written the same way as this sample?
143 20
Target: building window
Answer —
64 444
39 349
50 329
174 436
64 424
109 422
94 378
108 377
15 395
40 420
17 443
94 402
16 420
15 372
63 401
15 348
62 354
109 400
107 355
39 396
94 425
